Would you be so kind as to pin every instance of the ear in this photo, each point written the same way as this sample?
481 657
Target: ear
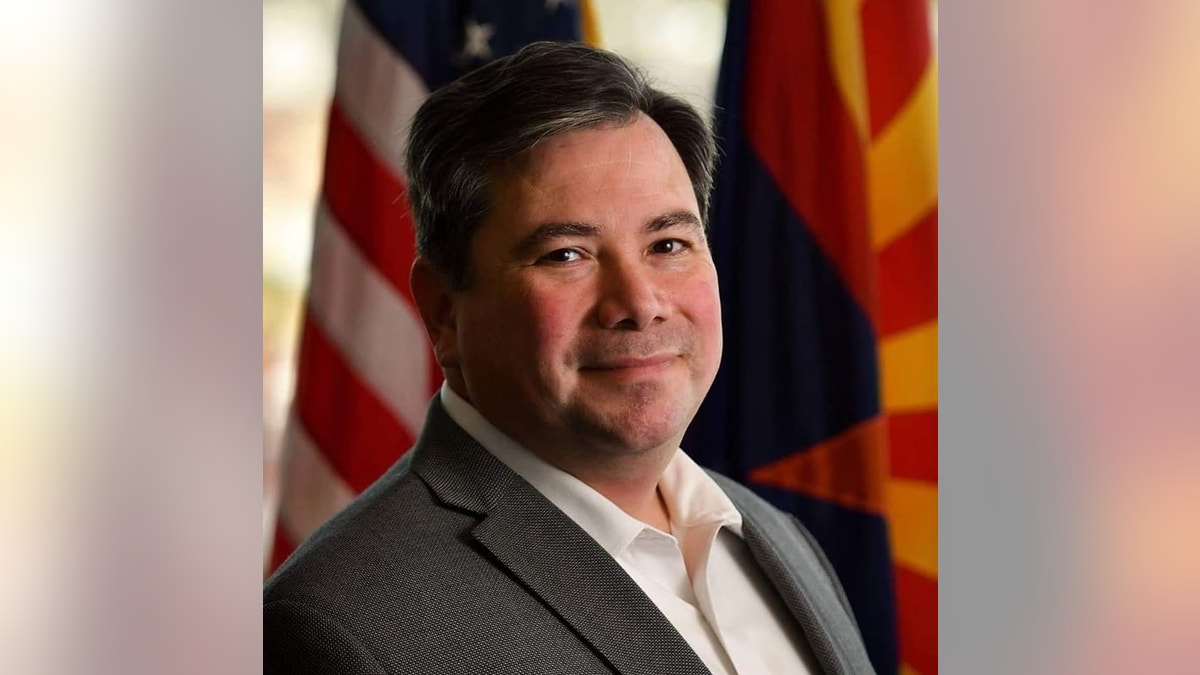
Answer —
436 302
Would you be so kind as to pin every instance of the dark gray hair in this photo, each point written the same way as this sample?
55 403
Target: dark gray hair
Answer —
496 113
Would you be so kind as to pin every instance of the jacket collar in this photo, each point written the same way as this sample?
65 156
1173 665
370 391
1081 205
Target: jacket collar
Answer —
544 549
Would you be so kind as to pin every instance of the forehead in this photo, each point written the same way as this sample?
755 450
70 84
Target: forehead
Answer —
605 169
639 142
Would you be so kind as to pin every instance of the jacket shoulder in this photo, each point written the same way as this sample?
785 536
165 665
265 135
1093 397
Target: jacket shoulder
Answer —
391 525
300 638
399 583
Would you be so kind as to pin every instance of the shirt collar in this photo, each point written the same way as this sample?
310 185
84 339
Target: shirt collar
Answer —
693 498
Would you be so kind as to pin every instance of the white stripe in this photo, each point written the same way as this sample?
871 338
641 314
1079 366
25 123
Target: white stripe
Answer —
376 88
312 491
376 329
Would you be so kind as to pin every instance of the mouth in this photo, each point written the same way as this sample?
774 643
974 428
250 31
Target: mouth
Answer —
632 367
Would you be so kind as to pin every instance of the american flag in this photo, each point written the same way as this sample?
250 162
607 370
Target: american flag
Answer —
365 371
824 227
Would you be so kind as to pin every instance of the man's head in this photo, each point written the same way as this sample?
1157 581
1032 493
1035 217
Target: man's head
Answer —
564 274
465 131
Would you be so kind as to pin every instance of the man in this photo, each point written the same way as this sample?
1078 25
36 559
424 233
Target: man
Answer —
547 521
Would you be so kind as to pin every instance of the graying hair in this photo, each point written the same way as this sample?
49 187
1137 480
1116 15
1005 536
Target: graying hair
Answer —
463 131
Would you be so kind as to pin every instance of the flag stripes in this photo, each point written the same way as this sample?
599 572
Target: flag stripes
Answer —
912 445
317 486
908 278
825 236
908 369
847 61
345 290
912 514
361 192
902 179
377 91
342 415
897 48
903 164
917 602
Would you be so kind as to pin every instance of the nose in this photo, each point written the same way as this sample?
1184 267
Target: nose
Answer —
632 297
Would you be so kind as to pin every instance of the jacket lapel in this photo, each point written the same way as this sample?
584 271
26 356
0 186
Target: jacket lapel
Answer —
583 585
552 556
798 595
798 572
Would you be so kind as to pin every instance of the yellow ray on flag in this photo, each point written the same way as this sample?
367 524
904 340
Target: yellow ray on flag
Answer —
908 369
912 513
842 18
902 166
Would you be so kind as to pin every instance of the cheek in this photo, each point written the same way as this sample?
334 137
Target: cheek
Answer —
550 319
702 302
491 331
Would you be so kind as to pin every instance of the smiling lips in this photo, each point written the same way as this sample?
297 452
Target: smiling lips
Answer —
634 366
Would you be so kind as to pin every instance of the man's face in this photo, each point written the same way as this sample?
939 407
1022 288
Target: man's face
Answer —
592 321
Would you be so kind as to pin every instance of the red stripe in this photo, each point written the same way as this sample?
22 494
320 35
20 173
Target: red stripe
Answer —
897 49
281 548
345 419
368 201
798 125
908 278
913 445
917 614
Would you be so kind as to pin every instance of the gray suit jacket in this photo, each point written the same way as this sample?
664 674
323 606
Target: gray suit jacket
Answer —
452 563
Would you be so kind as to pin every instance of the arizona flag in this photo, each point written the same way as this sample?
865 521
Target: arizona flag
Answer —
365 369
824 231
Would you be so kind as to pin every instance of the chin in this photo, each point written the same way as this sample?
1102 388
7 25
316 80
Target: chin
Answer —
640 429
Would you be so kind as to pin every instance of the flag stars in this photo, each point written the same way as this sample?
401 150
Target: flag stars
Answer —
476 45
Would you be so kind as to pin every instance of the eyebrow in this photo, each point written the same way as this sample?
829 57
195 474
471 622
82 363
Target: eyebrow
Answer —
676 218
535 240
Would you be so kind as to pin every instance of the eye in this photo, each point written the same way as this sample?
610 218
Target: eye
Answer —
562 255
670 246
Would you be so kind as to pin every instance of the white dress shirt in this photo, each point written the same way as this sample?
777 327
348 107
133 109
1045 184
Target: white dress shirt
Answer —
701 575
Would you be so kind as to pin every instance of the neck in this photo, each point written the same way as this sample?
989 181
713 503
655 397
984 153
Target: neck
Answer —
632 486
